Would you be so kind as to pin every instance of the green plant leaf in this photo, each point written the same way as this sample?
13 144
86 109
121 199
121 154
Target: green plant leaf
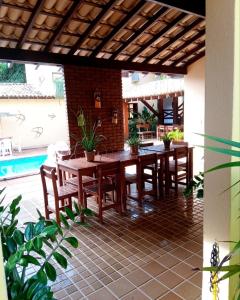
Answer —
15 203
64 221
39 227
11 244
226 165
60 259
88 212
50 271
65 250
76 207
11 228
18 237
29 231
221 140
31 260
69 213
42 277
72 241
50 230
38 243
230 152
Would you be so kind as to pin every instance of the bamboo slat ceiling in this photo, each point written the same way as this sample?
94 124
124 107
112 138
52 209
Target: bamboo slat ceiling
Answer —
127 31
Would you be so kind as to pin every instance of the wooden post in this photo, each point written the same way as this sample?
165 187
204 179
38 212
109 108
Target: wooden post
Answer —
160 110
175 109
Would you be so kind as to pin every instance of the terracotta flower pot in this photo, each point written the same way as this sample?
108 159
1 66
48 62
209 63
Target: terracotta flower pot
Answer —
89 155
167 144
134 149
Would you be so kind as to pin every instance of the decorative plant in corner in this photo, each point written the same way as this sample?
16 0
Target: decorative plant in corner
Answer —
35 244
232 269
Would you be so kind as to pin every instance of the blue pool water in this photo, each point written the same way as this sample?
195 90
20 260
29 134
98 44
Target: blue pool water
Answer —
18 166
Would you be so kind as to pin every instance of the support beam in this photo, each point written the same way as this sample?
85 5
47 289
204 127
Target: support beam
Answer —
156 114
63 59
189 53
62 24
140 31
35 13
195 58
184 45
158 36
173 40
194 7
94 23
120 26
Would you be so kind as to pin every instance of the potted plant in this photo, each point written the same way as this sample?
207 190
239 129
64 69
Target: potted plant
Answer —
167 138
133 142
177 135
90 139
37 245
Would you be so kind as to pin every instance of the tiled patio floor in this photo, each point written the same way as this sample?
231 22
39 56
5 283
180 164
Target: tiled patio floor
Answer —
148 254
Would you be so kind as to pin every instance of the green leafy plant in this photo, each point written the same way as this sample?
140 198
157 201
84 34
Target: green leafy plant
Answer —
167 136
196 185
34 244
133 140
232 269
90 138
177 135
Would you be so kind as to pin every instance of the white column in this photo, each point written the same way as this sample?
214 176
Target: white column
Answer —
219 114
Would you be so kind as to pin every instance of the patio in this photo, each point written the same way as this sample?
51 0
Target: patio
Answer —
140 256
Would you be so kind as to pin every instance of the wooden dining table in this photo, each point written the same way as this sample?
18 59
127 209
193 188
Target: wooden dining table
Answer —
80 166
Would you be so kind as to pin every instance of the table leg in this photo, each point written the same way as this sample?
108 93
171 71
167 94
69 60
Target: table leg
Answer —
80 196
123 189
167 176
190 165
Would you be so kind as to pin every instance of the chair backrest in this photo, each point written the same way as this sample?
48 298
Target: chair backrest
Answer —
146 145
179 153
148 159
108 169
144 126
49 173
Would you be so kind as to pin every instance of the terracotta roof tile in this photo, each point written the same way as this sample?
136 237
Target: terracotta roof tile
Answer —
22 91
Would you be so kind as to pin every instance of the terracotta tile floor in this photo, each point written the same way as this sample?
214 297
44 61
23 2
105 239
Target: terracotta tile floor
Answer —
148 254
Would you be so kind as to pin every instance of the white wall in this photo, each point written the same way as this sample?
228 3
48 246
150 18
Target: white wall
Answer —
219 119
194 105
37 113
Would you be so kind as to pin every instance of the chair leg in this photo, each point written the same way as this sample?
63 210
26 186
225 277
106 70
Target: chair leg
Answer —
100 212
46 208
57 212
70 203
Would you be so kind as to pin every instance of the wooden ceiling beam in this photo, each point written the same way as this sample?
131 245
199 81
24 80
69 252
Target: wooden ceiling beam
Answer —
20 55
58 31
173 40
136 9
87 32
184 45
157 36
188 54
28 27
194 7
195 58
136 34
45 13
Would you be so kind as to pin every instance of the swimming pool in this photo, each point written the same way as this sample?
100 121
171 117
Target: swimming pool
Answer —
21 166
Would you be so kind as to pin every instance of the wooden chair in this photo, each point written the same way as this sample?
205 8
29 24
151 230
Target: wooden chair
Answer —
66 178
179 168
141 177
108 180
62 195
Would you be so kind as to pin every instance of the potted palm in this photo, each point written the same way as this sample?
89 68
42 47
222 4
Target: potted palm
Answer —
133 142
90 138
167 138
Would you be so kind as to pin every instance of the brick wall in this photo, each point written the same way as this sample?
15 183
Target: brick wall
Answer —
80 84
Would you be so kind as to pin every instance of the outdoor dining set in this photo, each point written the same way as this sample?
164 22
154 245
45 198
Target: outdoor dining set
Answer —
158 170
